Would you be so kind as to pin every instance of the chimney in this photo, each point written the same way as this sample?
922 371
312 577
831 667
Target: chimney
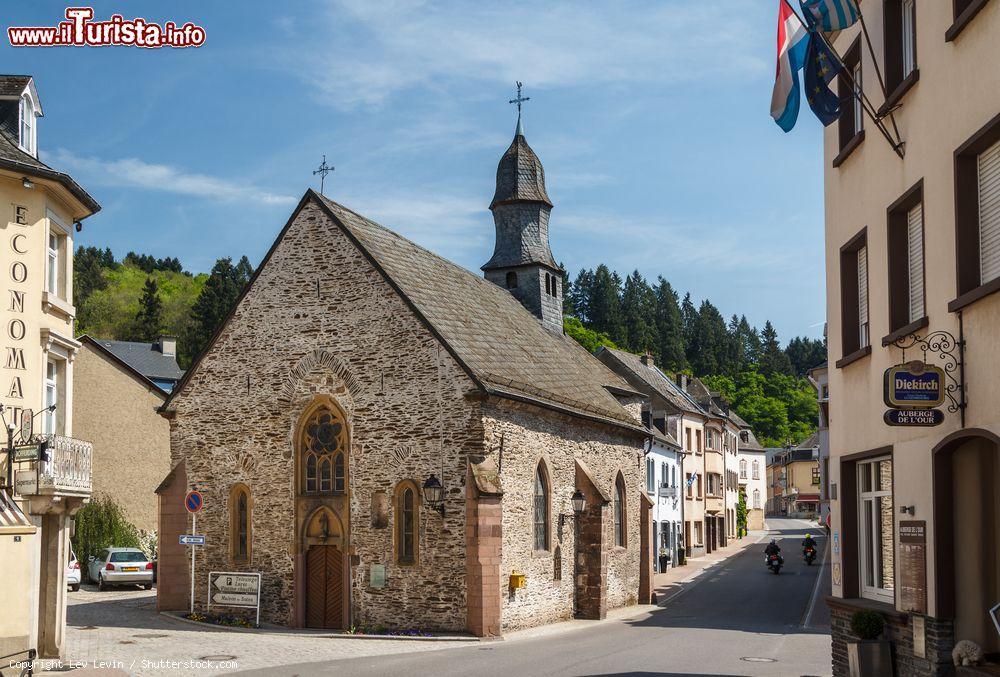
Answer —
682 381
647 359
168 346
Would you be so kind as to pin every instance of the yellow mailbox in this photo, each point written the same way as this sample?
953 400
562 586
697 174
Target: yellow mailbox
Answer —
517 580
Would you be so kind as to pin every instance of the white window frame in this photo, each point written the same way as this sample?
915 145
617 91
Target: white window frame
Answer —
863 317
52 271
756 470
988 209
650 475
915 261
743 468
26 125
51 388
868 538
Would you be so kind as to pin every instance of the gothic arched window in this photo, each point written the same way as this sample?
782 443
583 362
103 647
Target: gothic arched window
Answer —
407 523
323 445
620 523
240 524
541 505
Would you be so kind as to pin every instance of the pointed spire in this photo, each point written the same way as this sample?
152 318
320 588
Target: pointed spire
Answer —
520 129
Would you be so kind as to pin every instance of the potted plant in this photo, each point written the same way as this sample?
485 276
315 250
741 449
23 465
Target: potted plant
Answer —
868 656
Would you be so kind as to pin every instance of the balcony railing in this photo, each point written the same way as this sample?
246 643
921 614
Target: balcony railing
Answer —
69 468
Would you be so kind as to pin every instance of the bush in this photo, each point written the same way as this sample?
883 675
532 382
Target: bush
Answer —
102 524
867 624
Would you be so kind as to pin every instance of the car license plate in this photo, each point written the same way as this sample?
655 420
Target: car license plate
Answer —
130 568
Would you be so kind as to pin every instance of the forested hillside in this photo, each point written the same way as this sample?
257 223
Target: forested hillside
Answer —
764 382
140 298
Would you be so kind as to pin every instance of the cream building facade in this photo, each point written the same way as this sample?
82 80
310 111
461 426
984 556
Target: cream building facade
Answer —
42 208
911 251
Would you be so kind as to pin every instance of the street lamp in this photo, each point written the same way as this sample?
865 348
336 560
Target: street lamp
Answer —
433 493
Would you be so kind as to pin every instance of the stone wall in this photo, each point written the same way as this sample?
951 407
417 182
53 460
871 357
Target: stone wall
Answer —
116 412
938 643
530 435
321 321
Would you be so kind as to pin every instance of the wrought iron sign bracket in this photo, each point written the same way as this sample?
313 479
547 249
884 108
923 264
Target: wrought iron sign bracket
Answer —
951 352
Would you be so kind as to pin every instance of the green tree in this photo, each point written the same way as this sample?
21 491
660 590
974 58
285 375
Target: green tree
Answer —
604 312
639 314
689 322
805 353
773 359
221 291
578 296
669 328
149 319
567 292
741 514
102 524
707 352
588 338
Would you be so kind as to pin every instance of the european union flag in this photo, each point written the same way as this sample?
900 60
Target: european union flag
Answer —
822 66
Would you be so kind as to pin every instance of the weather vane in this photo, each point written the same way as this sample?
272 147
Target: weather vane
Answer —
519 100
323 170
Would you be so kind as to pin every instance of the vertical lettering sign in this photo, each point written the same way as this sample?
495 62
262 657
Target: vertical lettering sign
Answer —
15 330
913 565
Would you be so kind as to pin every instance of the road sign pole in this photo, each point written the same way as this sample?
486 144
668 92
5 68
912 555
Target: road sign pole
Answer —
194 530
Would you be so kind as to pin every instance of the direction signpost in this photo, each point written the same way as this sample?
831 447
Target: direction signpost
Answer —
234 589
193 503
192 539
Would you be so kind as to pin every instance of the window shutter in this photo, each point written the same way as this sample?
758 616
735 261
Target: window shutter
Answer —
989 213
915 260
863 295
909 37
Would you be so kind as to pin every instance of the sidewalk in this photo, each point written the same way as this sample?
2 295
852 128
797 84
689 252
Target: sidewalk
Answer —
676 580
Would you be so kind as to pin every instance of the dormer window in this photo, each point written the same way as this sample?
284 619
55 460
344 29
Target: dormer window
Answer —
27 135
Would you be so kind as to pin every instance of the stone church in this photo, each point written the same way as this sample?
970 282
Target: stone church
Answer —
393 441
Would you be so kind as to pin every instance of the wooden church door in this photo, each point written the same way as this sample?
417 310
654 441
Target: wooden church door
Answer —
325 587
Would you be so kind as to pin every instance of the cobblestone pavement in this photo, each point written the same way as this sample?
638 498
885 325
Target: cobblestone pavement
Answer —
119 632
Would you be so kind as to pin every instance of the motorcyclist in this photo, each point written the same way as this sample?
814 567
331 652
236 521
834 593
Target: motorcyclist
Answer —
809 542
772 549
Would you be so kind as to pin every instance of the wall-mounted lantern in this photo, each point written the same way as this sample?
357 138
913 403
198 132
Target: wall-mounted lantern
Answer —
434 493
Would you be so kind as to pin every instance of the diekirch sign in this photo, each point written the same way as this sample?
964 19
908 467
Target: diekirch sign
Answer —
914 417
914 385
913 567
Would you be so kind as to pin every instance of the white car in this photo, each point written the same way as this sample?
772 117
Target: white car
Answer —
73 572
120 566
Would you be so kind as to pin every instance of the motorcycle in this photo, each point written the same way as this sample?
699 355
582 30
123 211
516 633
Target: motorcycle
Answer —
774 563
809 554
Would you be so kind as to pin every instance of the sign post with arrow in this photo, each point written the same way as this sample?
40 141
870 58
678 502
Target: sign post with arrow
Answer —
234 589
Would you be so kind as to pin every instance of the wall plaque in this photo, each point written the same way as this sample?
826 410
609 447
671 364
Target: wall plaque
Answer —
377 576
913 565
919 637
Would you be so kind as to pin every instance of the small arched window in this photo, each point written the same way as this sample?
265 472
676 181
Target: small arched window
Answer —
620 523
511 280
743 468
756 499
541 520
27 125
407 523
241 523
548 284
756 470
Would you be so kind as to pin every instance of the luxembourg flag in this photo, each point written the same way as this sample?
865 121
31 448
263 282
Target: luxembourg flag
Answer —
793 38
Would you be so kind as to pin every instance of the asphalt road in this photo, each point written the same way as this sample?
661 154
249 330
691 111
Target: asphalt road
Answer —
736 618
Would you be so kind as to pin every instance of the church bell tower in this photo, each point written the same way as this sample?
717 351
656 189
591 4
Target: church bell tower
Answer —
522 262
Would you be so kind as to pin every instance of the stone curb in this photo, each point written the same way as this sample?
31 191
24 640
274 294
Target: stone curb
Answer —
317 634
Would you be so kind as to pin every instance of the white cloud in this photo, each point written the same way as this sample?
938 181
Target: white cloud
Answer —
370 51
135 173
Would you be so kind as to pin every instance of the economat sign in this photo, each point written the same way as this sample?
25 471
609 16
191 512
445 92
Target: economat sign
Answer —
912 391
15 330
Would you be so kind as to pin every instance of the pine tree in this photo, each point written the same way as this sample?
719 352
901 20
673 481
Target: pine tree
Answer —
243 272
639 314
805 353
708 351
223 288
567 289
149 319
604 308
773 359
669 328
689 322
579 295
750 339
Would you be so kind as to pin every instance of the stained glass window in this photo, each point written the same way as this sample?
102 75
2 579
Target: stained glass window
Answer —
323 446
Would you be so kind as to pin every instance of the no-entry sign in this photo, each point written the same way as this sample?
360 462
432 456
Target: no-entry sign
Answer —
194 501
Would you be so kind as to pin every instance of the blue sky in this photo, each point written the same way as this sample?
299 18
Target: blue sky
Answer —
651 119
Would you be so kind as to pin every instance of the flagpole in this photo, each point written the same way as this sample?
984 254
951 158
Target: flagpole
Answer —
878 73
859 94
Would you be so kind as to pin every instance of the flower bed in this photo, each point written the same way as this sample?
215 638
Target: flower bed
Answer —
228 620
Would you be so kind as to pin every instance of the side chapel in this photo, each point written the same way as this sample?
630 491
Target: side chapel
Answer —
391 440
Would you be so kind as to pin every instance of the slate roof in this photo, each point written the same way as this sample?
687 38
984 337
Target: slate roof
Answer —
504 347
520 176
16 160
144 358
13 85
659 382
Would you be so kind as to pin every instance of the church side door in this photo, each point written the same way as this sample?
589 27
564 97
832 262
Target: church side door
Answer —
325 587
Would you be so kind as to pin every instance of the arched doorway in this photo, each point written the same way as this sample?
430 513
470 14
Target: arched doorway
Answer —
966 518
322 569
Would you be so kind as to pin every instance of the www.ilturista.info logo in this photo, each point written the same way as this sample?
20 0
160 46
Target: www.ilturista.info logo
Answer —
80 30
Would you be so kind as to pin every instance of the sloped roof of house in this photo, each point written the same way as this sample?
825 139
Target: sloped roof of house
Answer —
13 85
16 160
653 377
144 358
503 348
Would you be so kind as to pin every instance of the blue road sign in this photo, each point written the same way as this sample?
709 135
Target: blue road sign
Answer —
192 539
194 501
